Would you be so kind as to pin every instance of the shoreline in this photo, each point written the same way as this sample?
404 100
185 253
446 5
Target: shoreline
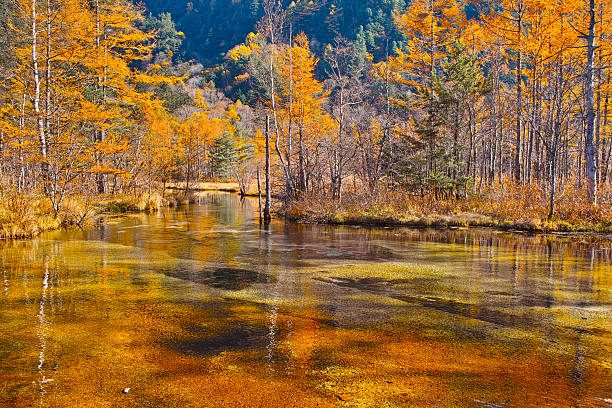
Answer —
34 216
123 205
463 220
364 222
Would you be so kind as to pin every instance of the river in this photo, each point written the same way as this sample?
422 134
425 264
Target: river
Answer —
202 307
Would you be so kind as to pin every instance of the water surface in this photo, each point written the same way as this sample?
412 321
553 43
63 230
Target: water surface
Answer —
200 307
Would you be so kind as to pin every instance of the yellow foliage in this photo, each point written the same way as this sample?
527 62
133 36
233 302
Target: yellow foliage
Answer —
245 50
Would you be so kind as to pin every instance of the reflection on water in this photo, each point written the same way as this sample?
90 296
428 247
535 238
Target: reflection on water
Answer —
42 334
201 307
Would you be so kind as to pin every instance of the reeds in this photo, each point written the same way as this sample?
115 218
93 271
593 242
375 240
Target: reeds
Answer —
145 202
27 215
507 206
24 216
142 202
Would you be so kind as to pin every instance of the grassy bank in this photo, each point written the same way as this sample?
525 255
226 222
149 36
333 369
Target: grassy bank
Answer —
228 187
205 186
23 216
27 215
523 208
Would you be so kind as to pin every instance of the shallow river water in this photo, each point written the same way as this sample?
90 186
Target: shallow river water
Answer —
200 307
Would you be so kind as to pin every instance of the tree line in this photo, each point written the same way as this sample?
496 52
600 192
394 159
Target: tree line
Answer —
478 95
91 102
474 97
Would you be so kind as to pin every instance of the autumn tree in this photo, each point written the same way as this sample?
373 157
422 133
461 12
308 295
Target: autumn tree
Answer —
300 100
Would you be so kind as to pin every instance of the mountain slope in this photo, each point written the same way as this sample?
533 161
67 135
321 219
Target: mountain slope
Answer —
214 26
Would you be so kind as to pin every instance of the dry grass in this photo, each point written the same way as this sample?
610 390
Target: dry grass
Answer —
27 215
510 207
145 202
230 187
23 216
142 202
206 186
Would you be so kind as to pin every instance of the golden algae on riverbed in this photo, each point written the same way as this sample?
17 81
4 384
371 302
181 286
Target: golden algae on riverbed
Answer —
201 308
374 369
316 365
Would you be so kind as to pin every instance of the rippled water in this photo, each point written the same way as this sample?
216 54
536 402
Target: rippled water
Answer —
200 307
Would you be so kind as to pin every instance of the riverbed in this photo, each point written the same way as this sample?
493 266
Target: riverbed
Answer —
202 307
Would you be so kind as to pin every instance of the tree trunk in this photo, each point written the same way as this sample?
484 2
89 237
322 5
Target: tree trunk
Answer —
290 127
42 137
519 97
589 147
268 198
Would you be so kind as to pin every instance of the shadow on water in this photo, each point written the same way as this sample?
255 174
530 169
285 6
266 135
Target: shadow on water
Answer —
239 336
380 286
225 278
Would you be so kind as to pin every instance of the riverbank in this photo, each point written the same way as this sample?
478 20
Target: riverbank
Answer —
455 220
516 209
27 215
227 187
520 210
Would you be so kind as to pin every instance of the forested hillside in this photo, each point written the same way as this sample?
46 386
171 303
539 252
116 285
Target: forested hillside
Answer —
212 27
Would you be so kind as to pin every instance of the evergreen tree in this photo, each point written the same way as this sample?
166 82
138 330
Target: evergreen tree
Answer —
168 39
